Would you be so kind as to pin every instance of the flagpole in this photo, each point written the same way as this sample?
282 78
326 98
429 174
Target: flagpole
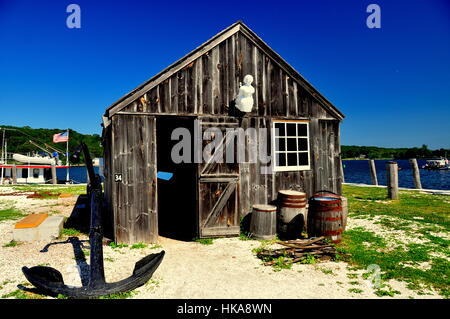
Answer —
67 157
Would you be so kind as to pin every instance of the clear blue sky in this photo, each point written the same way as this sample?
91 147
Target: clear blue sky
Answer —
393 83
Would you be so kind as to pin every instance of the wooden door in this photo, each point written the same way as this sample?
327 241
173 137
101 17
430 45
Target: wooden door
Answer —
327 158
218 181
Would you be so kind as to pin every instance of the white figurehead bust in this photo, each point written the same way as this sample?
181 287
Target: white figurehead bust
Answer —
244 99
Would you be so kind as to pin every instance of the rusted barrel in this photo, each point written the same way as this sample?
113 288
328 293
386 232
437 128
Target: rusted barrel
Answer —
263 222
344 204
326 217
291 213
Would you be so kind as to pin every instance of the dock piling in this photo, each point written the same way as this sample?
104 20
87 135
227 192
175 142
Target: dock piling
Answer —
373 172
14 174
54 179
392 179
416 173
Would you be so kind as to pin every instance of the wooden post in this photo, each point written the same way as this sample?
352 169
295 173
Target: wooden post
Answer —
342 172
392 179
14 174
416 174
373 172
54 179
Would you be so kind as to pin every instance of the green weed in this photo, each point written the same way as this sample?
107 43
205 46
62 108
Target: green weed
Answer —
204 241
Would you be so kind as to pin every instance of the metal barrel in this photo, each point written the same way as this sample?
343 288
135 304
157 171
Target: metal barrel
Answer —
292 213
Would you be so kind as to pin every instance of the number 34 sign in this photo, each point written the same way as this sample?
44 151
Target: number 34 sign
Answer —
118 178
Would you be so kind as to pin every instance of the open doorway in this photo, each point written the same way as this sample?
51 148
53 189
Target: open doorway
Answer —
177 204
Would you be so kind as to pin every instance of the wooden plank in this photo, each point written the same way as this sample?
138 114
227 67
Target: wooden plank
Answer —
218 179
31 221
219 205
220 231
134 199
268 81
219 150
223 78
174 94
207 83
215 82
231 53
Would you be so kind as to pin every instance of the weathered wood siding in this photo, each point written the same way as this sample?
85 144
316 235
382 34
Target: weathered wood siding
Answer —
134 199
210 83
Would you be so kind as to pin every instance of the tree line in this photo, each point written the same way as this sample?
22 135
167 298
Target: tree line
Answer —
18 141
374 152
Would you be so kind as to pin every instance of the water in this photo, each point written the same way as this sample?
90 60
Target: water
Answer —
76 173
357 171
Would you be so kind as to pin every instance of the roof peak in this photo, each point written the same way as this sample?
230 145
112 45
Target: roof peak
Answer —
237 26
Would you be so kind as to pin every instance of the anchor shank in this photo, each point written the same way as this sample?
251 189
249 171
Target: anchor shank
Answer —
97 272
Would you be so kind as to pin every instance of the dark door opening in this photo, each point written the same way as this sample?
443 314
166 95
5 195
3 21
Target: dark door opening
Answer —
177 197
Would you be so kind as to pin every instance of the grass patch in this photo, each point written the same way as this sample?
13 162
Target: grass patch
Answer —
11 214
327 271
67 189
114 245
281 263
138 246
20 294
204 241
120 295
390 292
12 243
416 215
70 232
355 290
244 236
309 259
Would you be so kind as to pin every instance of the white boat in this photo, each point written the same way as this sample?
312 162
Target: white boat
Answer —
437 164
36 169
36 159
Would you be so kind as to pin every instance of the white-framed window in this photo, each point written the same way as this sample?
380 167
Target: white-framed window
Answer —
290 140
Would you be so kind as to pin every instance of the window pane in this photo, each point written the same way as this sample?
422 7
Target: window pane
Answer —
280 144
280 127
280 159
302 144
302 130
302 159
292 159
291 144
291 131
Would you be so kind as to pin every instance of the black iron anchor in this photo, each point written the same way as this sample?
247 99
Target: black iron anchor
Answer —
51 280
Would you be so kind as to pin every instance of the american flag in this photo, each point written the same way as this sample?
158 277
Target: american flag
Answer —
61 137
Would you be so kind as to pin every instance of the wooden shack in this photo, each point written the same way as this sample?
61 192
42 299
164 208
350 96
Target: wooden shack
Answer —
208 199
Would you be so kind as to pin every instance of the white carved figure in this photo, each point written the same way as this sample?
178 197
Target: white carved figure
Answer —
244 99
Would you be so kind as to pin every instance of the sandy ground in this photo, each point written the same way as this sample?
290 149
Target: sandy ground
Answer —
225 269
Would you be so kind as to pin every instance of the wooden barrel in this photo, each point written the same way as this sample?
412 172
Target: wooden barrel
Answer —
344 204
291 213
263 222
325 216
